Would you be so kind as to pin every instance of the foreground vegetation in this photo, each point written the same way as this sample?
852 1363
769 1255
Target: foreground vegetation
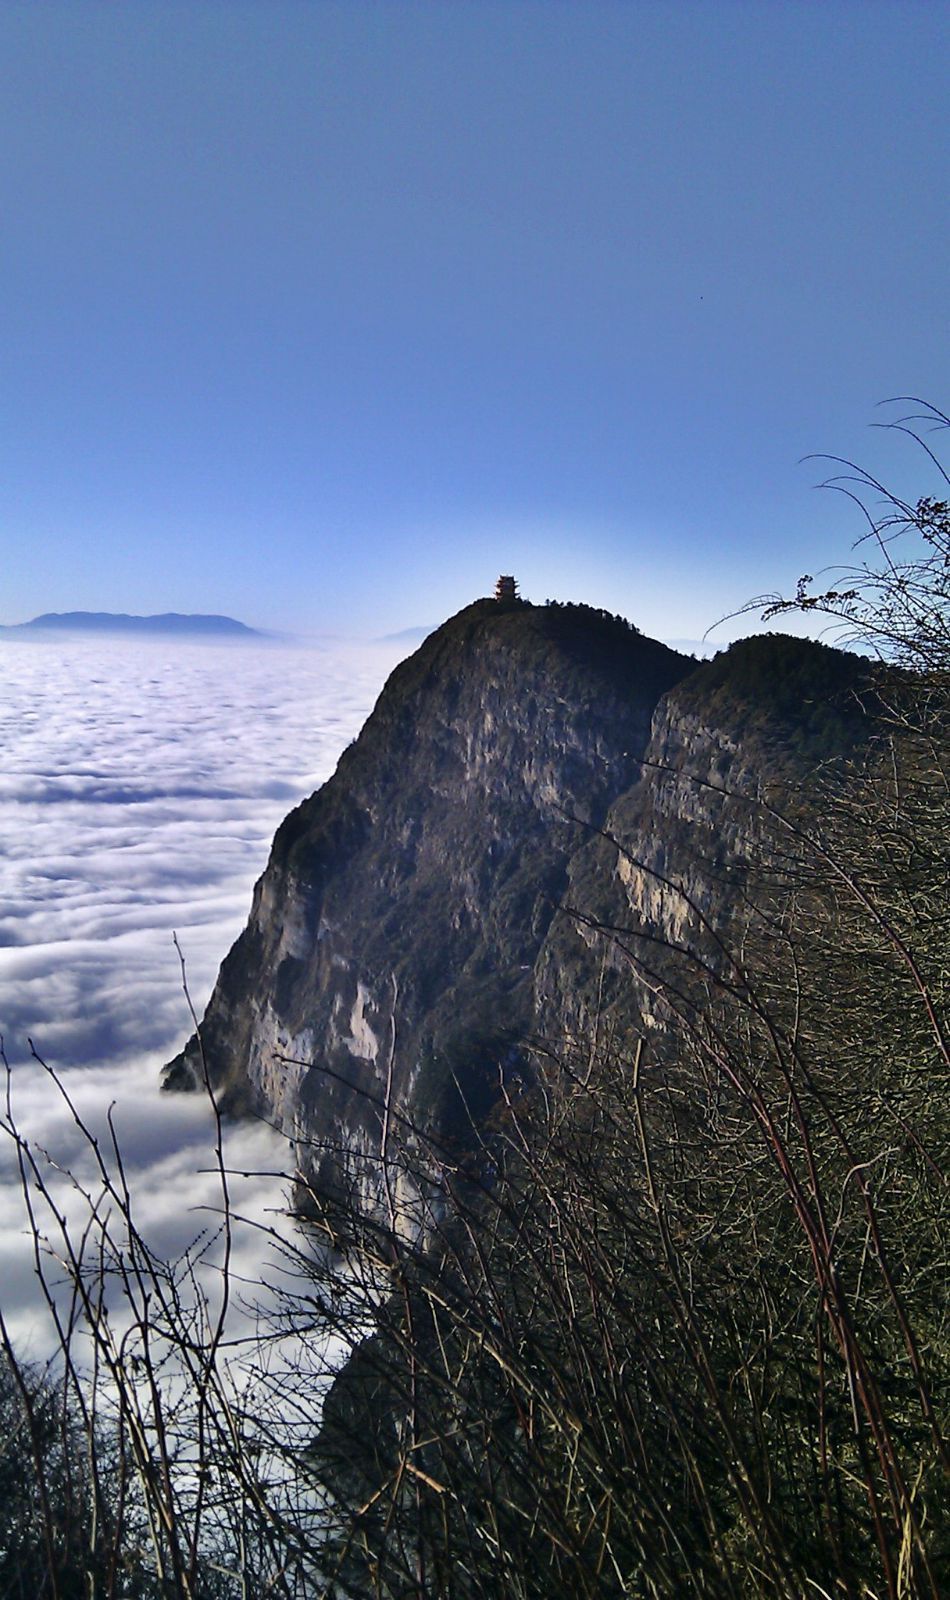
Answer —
675 1322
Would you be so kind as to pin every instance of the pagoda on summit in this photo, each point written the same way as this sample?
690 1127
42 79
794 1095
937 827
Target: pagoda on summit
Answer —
506 588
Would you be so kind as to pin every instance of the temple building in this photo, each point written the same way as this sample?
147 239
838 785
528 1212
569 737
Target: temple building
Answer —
506 588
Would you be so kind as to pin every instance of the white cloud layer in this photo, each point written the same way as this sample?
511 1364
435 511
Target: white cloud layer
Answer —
141 784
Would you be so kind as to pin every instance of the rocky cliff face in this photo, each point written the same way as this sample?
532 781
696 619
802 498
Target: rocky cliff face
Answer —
661 892
528 771
393 937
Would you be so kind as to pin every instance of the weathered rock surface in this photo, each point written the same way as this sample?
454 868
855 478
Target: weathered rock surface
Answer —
394 934
735 746
417 919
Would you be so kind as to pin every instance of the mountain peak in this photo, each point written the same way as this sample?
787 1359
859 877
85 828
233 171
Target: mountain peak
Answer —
412 931
411 895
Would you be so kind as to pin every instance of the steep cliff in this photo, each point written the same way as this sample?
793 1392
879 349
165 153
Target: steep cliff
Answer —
394 935
738 749
544 811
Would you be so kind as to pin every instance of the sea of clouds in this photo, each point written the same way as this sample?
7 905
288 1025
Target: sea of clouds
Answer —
140 787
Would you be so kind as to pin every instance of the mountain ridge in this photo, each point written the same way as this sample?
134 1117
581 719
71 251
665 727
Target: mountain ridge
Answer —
165 622
418 921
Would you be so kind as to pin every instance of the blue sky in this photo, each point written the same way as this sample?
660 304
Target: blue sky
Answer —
322 314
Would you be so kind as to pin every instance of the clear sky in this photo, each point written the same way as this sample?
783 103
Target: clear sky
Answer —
320 314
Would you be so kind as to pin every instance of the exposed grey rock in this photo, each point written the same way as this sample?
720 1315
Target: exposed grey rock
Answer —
405 903
529 771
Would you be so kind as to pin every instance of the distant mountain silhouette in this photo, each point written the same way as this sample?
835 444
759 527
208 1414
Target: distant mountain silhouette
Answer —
119 622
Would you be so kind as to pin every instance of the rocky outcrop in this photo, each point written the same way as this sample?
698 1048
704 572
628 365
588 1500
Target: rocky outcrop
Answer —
394 935
541 800
738 747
